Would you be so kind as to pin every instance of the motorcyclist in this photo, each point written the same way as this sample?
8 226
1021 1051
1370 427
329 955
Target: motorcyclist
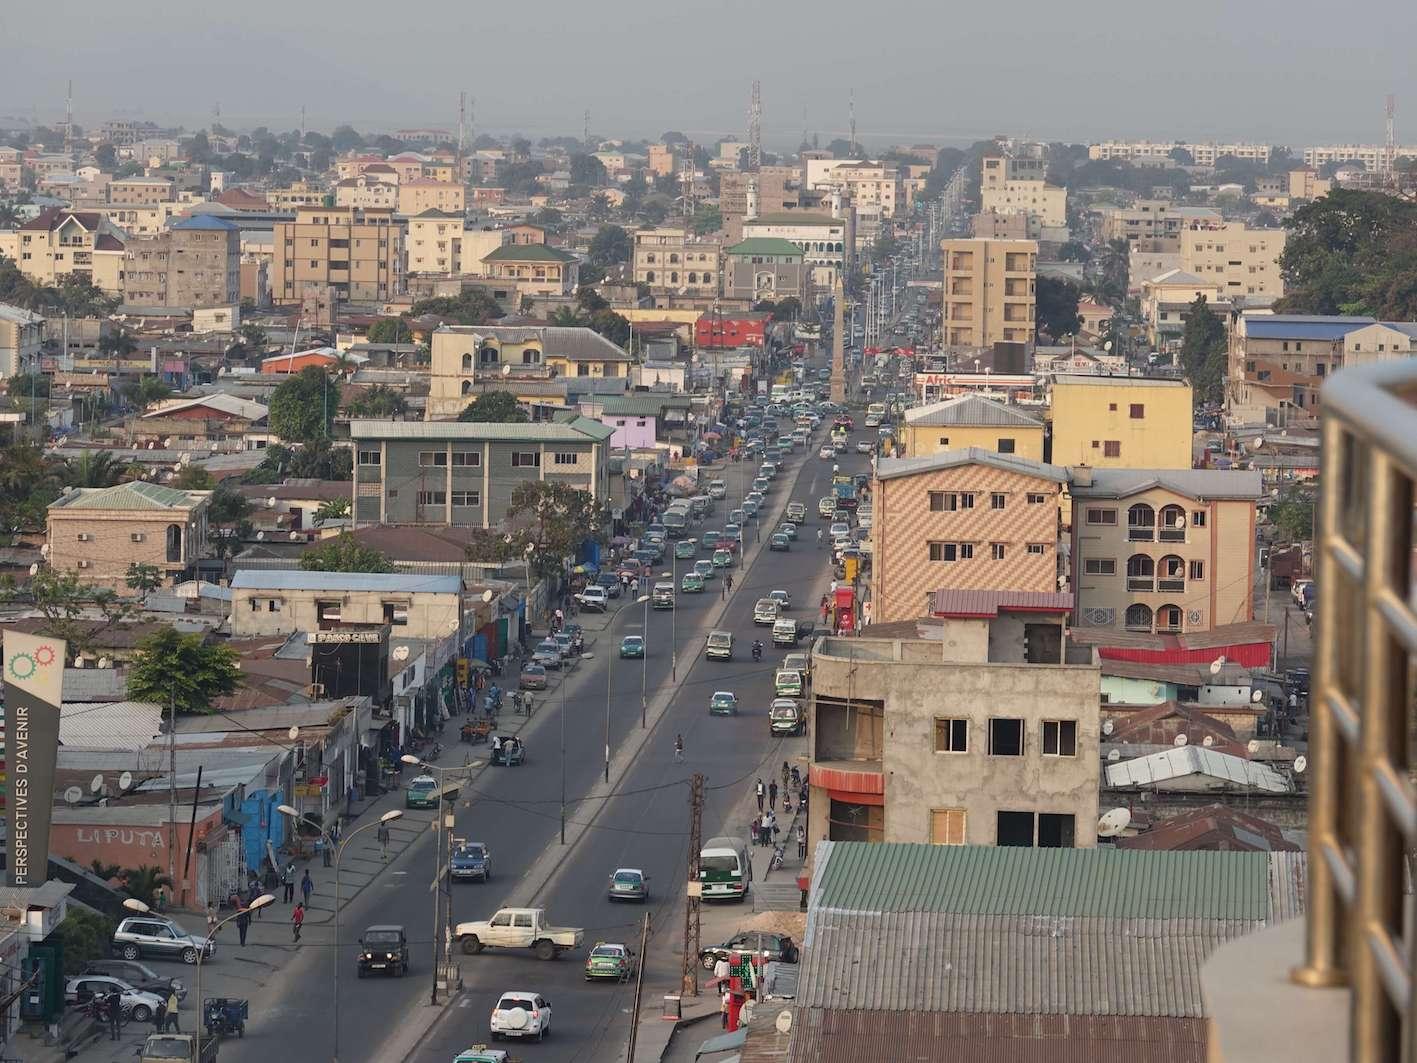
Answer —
757 649
819 537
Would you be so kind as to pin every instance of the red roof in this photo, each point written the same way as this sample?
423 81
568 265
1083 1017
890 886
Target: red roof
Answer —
1214 827
958 603
240 199
107 242
50 219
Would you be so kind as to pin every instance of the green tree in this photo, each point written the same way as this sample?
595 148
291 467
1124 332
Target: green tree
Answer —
146 390
1293 513
611 325
587 170
390 330
547 522
567 317
302 408
95 468
143 883
73 611
599 208
85 935
610 246
143 578
1352 252
105 157
344 553
472 307
378 401
495 406
107 872
1110 273
332 509
1203 352
253 336
708 218
116 343
29 481
193 478
227 505
1056 306
183 671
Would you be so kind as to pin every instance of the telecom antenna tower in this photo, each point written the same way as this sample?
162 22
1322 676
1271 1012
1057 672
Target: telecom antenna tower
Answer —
755 129
851 114
1390 145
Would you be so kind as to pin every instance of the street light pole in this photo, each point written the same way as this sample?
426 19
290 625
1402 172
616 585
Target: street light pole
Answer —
287 810
609 662
644 666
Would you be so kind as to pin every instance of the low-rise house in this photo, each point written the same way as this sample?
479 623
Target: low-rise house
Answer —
641 420
532 269
21 340
98 532
218 421
971 421
274 602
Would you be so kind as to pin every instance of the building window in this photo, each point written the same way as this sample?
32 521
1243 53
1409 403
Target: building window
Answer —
564 457
526 459
1141 523
1102 516
944 441
951 735
947 826
1137 411
467 498
137 537
997 500
1112 448
1100 566
432 458
432 498
1036 499
944 551
949 501
1060 738
1005 737
1056 830
1037 549
1006 446
466 459
1197 518
996 551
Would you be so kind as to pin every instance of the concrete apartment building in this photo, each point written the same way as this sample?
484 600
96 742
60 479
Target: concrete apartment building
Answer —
97 532
976 730
1242 262
1164 551
358 254
875 187
21 340
464 473
964 520
1380 342
1372 157
827 243
440 243
660 160
1279 362
1017 185
1166 303
139 191
196 264
675 262
971 422
764 268
522 269
1154 224
303 194
416 196
57 242
1121 422
988 291
289 602
990 225
1202 154
368 192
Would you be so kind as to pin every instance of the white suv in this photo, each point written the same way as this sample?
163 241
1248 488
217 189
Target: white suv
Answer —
594 598
521 1014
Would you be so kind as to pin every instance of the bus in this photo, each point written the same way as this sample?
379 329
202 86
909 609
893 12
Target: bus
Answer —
780 392
725 870
875 414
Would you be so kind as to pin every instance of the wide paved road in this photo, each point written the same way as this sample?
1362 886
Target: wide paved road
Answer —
516 812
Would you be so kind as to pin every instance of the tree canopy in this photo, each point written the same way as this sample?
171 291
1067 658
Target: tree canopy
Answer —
390 330
1056 306
344 553
610 245
547 523
1352 252
378 401
472 307
1293 513
1203 352
495 406
184 671
301 408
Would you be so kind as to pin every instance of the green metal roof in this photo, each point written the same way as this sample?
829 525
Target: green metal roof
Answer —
644 405
985 880
128 496
527 253
764 245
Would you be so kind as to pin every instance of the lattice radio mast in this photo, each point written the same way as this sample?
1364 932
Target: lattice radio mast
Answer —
755 128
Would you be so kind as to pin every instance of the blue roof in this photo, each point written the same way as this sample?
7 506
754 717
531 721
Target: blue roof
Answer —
1302 326
201 221
385 582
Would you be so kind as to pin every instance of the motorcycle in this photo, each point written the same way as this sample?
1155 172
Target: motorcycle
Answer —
757 651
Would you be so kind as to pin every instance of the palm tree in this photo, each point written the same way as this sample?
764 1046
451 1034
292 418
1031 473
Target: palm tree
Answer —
565 317
144 882
95 468
107 872
22 468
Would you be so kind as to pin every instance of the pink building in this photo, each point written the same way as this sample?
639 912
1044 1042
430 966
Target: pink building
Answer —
637 420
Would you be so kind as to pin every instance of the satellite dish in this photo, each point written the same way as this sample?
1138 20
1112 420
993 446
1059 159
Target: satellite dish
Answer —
507 369
1253 746
293 733
1179 522
1207 741
96 784
783 1022
73 795
271 502
104 662
487 595
1257 696
400 653
1114 755
44 550
125 781
34 570
1301 763
1259 442
260 536
1216 665
1108 727
1107 346
295 536
1112 822
1180 740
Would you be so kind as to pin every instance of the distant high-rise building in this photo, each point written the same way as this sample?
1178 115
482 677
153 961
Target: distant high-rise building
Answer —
988 291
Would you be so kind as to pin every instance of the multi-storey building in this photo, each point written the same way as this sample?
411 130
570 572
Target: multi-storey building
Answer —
441 243
1016 185
1164 550
304 194
1202 154
827 243
1306 184
1380 342
660 160
276 602
21 340
138 191
357 254
420 194
963 520
13 171
764 269
874 187
532 269
1242 262
674 262
196 263
744 194
1121 422
1166 302
59 242
464 473
976 729
1372 157
368 191
988 291
97 532
1278 363
1154 225
971 422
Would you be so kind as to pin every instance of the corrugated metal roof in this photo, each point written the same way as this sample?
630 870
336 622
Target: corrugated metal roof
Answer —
1193 483
890 468
985 880
1189 761
959 603
134 495
1104 381
1301 326
221 401
384 582
824 1036
127 725
973 410
473 431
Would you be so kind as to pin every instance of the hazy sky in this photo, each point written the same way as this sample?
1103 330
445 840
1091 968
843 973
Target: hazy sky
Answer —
1294 73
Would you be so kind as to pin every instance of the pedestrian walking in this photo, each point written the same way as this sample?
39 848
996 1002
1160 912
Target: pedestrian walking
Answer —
243 925
113 1005
722 969
801 842
678 749
160 1016
760 790
772 795
174 1020
383 835
307 887
728 583
287 879
297 920
723 1004
756 829
211 919
325 851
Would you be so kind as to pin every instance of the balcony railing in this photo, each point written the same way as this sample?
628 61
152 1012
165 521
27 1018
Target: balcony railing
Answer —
1173 535
1139 533
1176 585
1167 629
1140 583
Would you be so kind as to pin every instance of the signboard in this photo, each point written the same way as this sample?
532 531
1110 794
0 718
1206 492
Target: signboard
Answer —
34 684
346 637
307 789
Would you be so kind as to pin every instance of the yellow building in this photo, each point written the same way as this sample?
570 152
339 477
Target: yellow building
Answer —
971 421
1240 261
297 195
533 269
988 291
423 194
1121 422
358 254
58 242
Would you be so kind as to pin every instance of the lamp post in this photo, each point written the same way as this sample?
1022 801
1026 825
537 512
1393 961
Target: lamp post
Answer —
644 657
135 905
584 657
387 817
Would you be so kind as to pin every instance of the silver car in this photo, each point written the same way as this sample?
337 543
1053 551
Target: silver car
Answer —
152 935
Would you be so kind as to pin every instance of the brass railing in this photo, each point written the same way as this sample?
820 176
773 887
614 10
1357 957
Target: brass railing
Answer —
1363 808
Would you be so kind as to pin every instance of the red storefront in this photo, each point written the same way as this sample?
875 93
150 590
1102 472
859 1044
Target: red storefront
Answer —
731 330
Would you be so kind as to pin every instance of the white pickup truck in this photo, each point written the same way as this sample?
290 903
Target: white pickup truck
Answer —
519 928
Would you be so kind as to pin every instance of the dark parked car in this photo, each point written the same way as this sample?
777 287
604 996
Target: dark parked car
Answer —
138 975
771 946
383 948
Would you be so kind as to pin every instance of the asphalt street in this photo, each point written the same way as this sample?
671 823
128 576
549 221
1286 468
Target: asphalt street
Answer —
516 811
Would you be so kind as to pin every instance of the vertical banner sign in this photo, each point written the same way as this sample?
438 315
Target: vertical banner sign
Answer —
34 687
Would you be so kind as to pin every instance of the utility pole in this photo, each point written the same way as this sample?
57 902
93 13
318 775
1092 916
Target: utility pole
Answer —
690 966
639 988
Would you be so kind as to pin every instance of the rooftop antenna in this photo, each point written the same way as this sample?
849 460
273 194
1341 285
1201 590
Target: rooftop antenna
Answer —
851 113
216 115
686 177
462 127
755 128
1390 145
804 123
585 128
69 118
302 121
